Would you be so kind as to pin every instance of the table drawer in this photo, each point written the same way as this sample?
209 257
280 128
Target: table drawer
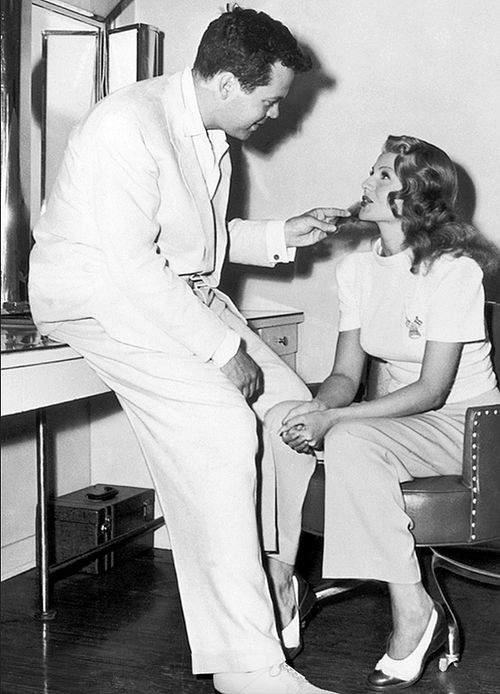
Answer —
281 338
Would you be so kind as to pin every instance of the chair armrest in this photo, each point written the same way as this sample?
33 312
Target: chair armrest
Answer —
481 469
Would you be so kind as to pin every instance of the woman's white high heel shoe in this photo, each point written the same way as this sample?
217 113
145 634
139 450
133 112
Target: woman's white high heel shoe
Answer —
290 635
305 602
390 674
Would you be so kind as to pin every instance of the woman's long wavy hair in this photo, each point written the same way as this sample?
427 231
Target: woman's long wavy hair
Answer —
429 216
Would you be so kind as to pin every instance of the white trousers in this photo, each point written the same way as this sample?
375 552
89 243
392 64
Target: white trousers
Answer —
367 531
199 439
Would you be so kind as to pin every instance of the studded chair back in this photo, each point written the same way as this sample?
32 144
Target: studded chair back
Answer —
464 509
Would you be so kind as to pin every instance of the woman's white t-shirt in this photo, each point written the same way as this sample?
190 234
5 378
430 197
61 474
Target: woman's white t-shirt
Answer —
397 311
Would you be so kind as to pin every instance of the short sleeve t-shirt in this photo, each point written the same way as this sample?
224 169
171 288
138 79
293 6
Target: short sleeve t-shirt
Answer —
397 311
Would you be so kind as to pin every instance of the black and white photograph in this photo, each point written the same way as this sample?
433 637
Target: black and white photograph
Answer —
250 347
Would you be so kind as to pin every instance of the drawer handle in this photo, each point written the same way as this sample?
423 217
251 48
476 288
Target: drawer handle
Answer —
105 525
283 340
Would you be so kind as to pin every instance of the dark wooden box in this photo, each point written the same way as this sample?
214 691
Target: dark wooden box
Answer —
84 519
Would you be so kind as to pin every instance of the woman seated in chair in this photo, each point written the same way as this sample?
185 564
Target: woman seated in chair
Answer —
415 301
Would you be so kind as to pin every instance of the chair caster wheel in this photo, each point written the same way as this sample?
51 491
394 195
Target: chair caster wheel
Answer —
445 661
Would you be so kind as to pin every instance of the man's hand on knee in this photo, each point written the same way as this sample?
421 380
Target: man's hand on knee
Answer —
244 373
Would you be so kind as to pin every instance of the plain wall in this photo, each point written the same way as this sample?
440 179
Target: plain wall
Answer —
426 68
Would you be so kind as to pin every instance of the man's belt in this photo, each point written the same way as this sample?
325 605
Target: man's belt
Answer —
203 291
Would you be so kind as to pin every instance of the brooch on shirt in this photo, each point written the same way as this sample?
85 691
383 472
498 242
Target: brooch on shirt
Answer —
413 328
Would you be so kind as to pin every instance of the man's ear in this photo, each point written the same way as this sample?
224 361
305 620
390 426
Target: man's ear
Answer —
227 84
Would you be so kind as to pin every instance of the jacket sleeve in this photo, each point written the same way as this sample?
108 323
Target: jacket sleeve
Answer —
258 243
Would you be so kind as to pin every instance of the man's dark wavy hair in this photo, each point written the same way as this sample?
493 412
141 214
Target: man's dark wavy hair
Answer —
247 43
430 220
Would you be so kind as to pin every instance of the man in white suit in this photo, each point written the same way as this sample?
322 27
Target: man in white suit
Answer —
125 268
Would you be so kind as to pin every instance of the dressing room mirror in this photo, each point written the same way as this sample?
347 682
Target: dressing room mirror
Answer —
76 63
58 59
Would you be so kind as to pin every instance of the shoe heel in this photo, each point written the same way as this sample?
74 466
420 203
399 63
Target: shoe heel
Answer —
390 676
307 600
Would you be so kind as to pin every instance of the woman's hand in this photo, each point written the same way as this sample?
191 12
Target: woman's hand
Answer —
300 408
304 407
305 432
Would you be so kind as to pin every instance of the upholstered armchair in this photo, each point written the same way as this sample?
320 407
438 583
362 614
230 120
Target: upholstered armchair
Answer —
456 516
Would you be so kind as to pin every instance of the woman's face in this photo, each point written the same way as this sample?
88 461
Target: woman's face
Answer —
381 181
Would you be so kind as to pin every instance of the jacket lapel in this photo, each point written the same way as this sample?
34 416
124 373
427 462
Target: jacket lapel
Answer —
189 167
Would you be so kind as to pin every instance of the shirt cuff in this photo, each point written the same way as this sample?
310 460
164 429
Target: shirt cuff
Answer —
227 349
277 251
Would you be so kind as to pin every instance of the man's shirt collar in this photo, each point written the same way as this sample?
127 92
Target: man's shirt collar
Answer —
194 125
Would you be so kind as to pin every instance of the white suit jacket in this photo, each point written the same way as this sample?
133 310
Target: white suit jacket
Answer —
128 214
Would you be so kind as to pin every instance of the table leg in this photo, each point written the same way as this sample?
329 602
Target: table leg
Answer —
42 536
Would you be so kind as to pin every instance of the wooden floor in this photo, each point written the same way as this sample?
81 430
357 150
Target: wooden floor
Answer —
122 632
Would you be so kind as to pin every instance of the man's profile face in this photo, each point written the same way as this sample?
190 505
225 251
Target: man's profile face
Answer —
245 112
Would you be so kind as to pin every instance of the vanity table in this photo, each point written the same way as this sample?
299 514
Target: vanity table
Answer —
278 327
38 373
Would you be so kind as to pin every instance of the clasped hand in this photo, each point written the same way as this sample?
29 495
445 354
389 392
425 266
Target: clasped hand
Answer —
305 426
